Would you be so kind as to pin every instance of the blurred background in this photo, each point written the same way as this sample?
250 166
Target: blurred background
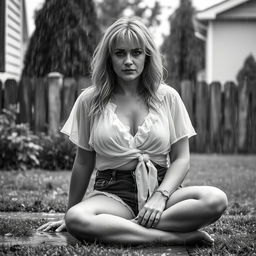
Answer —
208 49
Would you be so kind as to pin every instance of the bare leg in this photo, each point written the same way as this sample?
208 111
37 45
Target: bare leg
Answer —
191 208
106 219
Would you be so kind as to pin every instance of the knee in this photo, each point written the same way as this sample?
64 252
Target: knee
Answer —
75 220
216 201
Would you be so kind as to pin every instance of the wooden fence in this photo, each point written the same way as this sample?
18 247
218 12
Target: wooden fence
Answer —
224 116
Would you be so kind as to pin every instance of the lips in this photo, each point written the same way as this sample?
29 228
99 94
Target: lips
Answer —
128 70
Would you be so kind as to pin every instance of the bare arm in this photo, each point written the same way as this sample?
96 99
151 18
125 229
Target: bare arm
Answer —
80 177
81 173
180 162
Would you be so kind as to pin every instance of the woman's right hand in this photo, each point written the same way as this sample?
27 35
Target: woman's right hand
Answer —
58 226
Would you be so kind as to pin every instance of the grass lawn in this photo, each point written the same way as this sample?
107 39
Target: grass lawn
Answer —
234 233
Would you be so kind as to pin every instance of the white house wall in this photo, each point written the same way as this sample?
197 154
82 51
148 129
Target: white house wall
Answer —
13 37
13 43
233 42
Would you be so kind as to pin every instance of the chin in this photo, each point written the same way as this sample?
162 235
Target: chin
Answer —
129 78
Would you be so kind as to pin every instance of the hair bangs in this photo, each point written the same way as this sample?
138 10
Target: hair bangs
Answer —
126 35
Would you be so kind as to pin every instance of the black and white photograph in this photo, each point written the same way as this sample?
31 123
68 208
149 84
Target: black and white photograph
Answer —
128 127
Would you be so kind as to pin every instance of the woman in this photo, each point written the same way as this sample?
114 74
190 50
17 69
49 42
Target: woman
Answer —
134 130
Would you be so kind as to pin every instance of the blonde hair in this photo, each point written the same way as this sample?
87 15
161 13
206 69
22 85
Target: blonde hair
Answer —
103 76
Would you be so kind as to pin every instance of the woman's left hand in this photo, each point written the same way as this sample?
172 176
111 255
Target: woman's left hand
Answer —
150 214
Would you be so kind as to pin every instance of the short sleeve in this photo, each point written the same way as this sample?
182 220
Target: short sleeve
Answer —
181 125
78 125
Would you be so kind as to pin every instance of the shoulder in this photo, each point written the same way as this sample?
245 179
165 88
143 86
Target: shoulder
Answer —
168 92
86 95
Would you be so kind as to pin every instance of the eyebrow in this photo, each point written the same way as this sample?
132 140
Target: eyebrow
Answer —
122 49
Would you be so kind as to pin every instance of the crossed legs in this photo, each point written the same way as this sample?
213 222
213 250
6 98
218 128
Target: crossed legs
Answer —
187 210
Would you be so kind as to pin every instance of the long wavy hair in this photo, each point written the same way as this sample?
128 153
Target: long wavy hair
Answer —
103 75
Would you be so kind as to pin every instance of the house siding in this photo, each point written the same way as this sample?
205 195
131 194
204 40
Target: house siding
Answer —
11 40
2 36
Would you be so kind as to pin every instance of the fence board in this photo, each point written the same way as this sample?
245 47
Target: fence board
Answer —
187 95
25 100
230 118
54 103
68 96
243 108
251 129
10 93
201 116
40 108
1 96
215 117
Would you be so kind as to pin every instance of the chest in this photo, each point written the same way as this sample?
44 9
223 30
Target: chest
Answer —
131 112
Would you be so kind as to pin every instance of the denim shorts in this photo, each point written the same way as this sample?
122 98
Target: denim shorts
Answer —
122 184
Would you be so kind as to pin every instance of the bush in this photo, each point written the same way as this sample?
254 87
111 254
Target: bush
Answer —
18 147
57 152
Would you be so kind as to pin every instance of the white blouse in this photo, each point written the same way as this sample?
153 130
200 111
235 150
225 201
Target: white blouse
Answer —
115 145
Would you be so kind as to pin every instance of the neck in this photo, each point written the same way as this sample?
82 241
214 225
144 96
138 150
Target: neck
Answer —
127 88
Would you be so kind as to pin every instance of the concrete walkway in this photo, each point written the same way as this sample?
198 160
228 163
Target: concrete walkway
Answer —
35 238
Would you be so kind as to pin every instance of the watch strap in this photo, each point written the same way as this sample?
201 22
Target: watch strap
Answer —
164 192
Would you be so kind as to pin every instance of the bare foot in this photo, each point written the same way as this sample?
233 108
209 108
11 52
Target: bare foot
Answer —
195 237
198 237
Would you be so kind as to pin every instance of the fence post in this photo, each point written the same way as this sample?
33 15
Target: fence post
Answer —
55 82
40 109
230 118
82 83
215 117
187 95
68 96
201 117
10 92
1 96
25 100
251 129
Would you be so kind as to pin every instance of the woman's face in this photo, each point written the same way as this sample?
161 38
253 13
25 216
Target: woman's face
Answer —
128 59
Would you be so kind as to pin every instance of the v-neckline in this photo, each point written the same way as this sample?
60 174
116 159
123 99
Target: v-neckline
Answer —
127 127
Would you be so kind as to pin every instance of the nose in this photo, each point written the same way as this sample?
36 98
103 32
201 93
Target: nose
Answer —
128 60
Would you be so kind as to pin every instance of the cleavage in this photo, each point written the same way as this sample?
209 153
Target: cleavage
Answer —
132 113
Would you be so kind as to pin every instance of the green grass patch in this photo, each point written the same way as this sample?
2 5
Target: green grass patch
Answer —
234 233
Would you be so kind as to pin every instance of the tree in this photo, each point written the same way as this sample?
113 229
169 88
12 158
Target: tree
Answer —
111 10
65 36
248 72
184 52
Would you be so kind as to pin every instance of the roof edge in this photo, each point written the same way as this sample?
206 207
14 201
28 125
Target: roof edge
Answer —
211 12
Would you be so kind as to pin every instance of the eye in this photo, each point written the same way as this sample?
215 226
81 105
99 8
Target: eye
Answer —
119 53
136 52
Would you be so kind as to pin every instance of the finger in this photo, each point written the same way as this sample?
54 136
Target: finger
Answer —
48 228
157 219
61 228
145 218
43 226
141 215
151 219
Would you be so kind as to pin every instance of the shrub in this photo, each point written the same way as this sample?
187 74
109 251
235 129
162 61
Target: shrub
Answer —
57 152
18 147
21 149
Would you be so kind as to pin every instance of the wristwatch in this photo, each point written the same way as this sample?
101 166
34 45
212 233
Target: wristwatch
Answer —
164 192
